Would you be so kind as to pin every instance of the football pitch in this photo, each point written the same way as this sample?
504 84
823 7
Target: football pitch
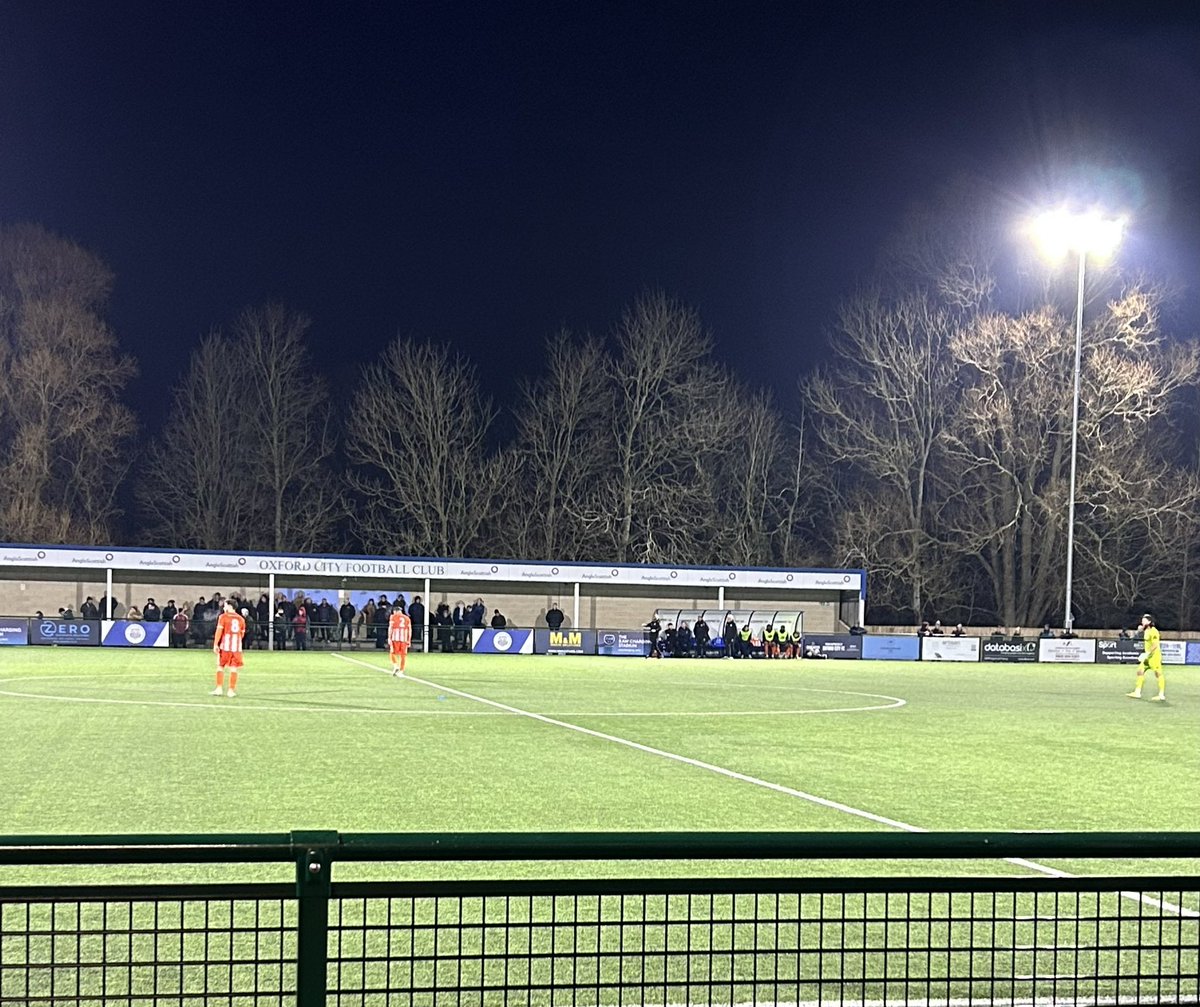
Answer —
116 741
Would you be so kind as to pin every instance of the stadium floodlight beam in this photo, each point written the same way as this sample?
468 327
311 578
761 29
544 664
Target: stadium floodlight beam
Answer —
1058 233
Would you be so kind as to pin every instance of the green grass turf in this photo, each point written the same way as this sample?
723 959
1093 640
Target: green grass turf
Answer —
106 741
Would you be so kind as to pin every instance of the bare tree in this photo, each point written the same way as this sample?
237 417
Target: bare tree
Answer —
656 504
1010 450
290 437
562 424
244 462
192 491
879 410
64 434
418 441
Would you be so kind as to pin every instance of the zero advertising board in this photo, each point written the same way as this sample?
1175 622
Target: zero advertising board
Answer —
891 647
502 641
133 633
950 648
14 632
65 632
1021 651
1056 651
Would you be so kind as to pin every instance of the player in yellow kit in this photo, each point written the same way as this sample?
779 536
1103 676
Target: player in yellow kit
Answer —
1151 659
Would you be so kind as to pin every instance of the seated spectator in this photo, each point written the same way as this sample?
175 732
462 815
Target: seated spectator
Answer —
936 629
88 609
1068 634
498 621
151 612
958 630
133 613
1047 633
999 634
924 630
1124 634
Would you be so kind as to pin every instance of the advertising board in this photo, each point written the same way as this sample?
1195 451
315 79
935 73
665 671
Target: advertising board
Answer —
950 648
14 632
890 647
564 641
65 632
1055 651
502 641
133 633
1173 651
1118 651
839 645
622 643
1005 649
1192 654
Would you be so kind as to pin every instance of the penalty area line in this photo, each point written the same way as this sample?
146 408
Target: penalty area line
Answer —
733 774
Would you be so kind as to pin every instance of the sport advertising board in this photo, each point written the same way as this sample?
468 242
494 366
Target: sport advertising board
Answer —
133 633
622 643
502 641
1118 651
889 647
1022 651
564 641
65 632
1192 654
14 632
1057 651
839 645
950 648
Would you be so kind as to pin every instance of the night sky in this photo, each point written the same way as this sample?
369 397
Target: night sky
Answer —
485 174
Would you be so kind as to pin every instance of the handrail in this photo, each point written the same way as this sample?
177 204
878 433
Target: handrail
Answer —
504 846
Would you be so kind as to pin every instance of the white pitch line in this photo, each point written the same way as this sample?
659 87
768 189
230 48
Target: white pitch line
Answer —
733 774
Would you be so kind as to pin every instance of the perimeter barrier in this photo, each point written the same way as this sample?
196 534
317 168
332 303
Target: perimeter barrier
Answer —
1021 933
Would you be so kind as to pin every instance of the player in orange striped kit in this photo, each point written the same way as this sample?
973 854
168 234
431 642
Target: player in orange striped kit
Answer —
399 637
227 645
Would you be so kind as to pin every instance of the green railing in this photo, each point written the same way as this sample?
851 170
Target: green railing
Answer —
817 935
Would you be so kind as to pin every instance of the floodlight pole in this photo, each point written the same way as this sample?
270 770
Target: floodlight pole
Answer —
1068 621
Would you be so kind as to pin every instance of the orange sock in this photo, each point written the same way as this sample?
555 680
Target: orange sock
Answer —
233 680
220 678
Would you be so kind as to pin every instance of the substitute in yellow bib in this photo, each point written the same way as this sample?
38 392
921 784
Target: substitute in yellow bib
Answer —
1151 658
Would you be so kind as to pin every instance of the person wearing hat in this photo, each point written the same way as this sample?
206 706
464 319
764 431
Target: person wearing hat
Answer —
1150 658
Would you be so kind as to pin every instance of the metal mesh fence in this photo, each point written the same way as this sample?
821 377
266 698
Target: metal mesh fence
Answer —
583 942
392 946
137 948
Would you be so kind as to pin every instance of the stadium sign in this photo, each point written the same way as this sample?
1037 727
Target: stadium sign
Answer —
1022 651
1118 651
950 648
1055 651
622 643
65 632
1192 653
891 647
14 632
258 564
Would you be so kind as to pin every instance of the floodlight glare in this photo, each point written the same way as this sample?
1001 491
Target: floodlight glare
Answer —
1058 232
1089 234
